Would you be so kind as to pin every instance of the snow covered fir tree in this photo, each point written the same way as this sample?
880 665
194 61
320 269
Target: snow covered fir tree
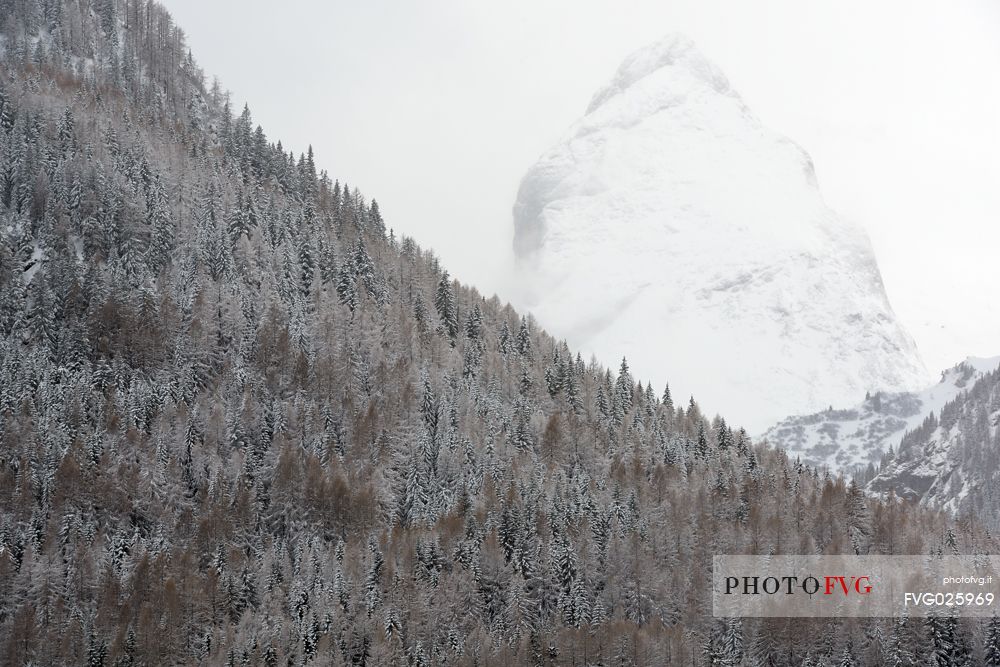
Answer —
242 422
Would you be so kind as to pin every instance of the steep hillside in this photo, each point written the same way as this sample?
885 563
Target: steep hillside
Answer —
242 422
855 440
952 460
670 220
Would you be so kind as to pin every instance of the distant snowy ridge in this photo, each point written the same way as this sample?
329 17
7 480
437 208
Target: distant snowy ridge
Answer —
843 440
670 226
952 461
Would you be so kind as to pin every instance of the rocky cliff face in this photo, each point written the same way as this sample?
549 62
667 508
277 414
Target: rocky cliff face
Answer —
670 220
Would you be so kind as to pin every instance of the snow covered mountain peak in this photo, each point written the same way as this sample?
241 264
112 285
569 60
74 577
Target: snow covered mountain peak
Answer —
675 52
671 226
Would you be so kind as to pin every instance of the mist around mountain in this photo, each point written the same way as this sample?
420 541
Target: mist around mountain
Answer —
242 421
670 225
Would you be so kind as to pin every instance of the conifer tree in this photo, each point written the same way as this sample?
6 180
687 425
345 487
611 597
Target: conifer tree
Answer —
505 343
444 302
624 386
724 436
523 341
991 643
347 290
702 443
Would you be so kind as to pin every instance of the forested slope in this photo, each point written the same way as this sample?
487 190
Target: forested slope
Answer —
951 461
242 422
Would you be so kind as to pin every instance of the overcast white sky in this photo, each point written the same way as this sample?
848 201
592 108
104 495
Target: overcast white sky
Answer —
437 108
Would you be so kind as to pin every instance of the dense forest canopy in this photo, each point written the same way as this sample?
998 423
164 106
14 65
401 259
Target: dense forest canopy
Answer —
244 422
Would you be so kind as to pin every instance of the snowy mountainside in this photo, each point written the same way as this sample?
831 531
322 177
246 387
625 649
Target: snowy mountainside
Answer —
952 461
669 220
846 439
